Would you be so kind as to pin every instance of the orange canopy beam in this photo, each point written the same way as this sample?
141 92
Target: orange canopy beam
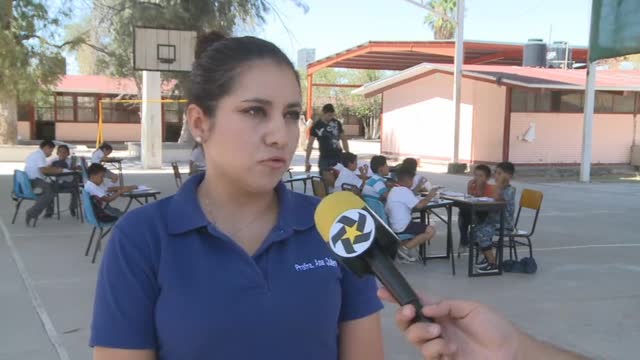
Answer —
337 85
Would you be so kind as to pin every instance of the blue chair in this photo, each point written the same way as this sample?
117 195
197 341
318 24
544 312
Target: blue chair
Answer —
378 208
91 219
21 191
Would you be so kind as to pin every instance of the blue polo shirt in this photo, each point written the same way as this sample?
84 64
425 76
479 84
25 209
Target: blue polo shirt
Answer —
171 281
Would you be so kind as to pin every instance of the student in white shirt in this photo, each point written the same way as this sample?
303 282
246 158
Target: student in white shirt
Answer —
339 167
401 202
36 168
420 183
348 175
102 198
101 153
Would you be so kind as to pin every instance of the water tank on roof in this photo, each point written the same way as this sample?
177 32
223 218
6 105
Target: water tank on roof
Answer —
534 53
559 55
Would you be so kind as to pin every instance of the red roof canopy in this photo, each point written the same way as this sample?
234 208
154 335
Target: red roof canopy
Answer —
401 55
537 78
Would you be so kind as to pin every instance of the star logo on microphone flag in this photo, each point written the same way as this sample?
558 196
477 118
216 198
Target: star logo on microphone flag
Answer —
352 233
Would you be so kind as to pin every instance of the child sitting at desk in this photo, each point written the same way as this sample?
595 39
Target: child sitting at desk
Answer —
483 233
420 183
66 184
401 202
348 175
101 199
376 187
102 153
478 187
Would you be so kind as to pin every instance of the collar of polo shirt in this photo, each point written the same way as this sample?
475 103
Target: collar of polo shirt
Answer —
187 215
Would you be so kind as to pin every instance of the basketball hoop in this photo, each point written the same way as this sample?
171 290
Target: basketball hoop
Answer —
166 53
157 49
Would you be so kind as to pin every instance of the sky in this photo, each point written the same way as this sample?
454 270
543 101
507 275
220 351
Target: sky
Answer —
331 26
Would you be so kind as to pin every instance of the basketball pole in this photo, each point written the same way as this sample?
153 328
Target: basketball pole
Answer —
151 124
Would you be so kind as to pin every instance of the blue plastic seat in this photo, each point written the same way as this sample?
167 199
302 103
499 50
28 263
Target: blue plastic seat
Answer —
90 216
21 191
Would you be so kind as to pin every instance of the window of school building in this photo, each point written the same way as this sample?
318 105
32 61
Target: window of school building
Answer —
564 101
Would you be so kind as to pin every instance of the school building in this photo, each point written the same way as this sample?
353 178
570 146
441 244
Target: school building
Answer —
529 116
71 112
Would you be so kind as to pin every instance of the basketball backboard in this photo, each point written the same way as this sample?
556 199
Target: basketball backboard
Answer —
157 49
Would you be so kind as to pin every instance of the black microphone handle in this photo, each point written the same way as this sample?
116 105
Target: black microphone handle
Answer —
386 271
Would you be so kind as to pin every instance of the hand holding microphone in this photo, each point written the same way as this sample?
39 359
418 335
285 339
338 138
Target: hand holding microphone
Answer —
363 243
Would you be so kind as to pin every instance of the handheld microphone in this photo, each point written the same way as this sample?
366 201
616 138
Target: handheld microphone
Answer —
364 244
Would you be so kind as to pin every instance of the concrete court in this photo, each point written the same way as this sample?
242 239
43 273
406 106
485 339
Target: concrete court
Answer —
586 294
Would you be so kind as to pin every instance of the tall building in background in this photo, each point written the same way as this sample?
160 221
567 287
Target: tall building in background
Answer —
305 56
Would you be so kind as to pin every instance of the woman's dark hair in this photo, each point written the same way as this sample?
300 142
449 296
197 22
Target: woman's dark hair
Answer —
484 168
106 147
377 162
218 60
410 163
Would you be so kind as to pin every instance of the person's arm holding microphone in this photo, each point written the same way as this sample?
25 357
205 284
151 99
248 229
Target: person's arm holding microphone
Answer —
469 330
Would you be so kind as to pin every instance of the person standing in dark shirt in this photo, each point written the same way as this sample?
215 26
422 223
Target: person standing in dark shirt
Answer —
330 134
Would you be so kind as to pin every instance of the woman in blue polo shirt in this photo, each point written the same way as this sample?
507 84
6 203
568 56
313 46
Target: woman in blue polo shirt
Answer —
232 267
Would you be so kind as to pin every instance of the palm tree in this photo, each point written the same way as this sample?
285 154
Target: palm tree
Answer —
441 18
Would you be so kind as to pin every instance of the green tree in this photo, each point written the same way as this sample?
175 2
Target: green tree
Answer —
30 59
114 45
85 54
441 18
367 110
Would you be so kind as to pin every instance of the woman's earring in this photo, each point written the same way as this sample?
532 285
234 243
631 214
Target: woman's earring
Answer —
198 139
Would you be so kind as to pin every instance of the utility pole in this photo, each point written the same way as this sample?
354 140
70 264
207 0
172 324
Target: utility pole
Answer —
457 70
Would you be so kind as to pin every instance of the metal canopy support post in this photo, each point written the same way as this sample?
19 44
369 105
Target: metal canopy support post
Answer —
587 128
457 79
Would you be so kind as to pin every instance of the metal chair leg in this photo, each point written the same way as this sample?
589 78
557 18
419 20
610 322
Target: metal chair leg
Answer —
57 200
93 232
530 247
15 215
79 208
511 245
98 246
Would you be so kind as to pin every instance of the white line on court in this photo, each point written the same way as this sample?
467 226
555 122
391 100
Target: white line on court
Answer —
54 338
587 246
578 247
